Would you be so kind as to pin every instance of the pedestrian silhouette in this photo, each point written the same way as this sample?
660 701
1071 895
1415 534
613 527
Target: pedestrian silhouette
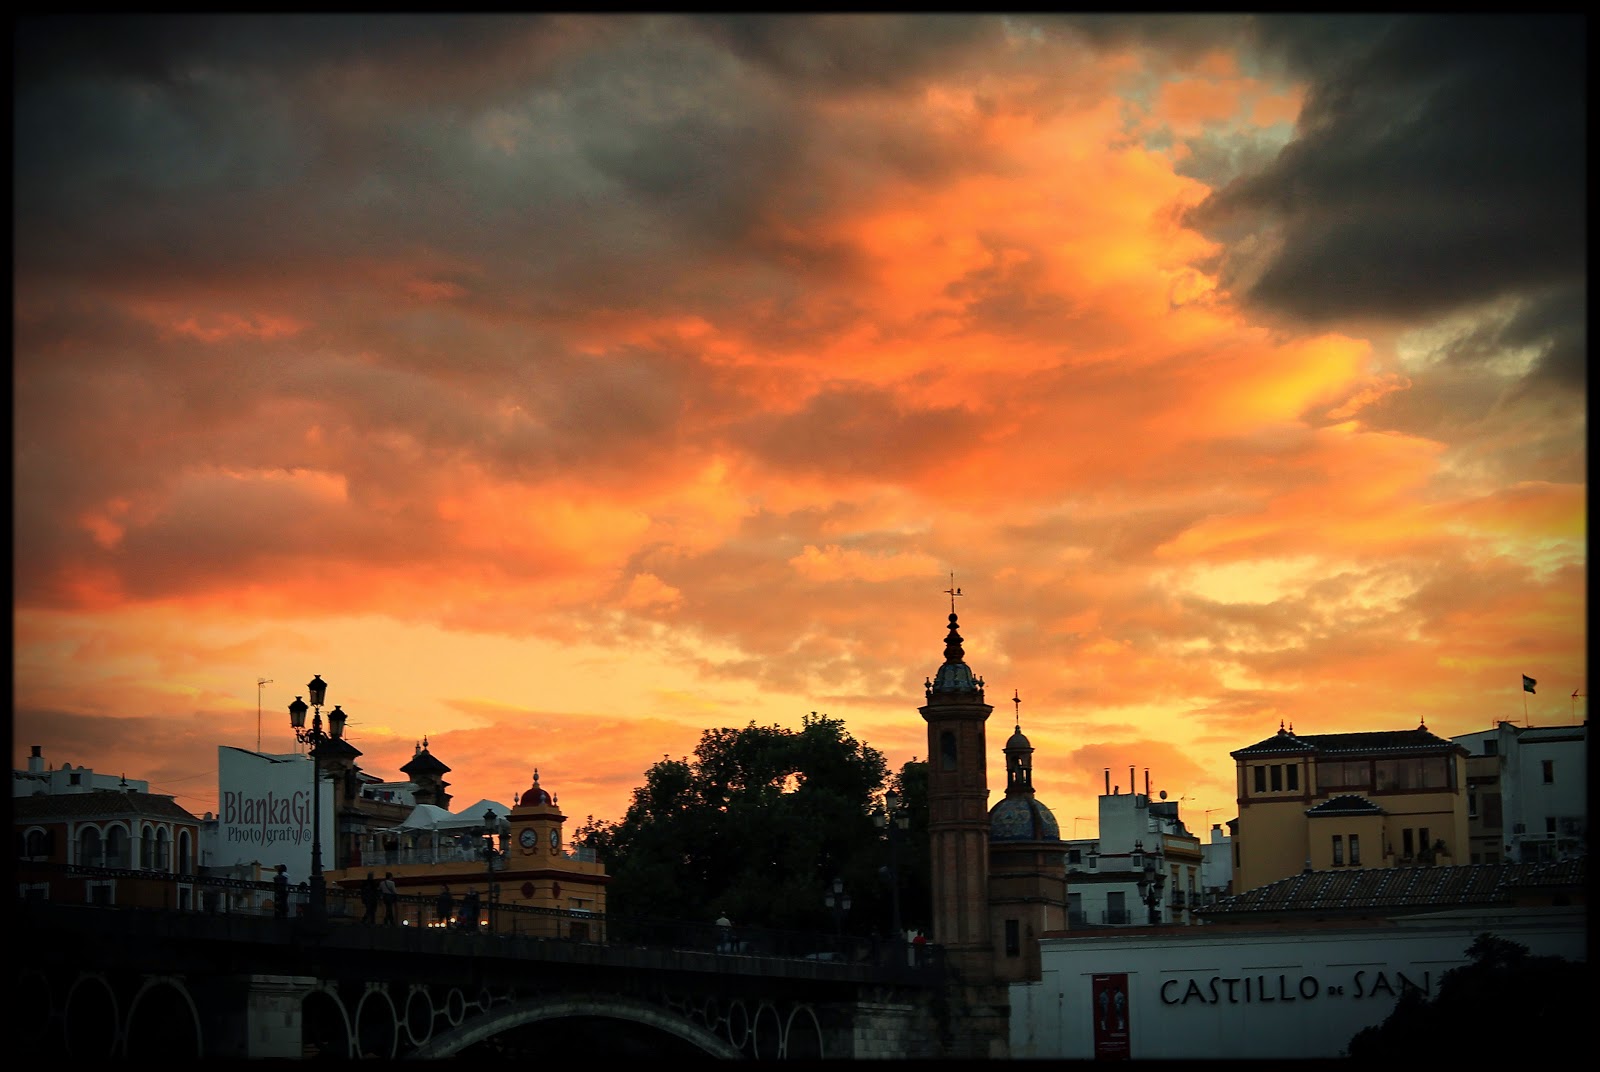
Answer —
391 898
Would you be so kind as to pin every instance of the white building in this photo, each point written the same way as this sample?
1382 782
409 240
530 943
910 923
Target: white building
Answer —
1528 791
1285 991
1216 864
1139 839
40 779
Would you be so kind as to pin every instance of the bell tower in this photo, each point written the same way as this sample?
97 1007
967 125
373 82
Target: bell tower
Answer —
958 809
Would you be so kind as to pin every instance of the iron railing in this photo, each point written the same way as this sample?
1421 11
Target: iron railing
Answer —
218 895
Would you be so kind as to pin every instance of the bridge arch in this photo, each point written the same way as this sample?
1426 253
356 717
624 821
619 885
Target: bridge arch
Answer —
325 1024
163 1021
566 1006
91 1017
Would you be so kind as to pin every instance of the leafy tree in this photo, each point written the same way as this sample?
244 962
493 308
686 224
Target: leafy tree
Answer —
756 826
916 889
1485 1010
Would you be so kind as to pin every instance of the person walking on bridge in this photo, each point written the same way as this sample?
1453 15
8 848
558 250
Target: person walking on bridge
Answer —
391 898
369 899
446 905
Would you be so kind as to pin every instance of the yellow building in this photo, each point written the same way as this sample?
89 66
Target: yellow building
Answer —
517 862
1391 798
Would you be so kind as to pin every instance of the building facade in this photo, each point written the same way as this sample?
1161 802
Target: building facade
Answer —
1139 839
1290 990
1527 792
127 845
1348 800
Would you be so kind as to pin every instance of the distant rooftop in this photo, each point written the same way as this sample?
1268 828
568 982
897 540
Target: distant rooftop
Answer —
1355 891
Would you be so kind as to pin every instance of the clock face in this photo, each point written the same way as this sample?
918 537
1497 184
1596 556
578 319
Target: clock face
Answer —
555 841
528 837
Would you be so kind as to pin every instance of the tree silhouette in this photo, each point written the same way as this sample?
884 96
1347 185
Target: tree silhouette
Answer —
1495 1007
754 826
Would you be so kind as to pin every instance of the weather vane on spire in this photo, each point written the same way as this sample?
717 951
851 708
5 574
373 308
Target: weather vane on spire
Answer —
952 592
1016 698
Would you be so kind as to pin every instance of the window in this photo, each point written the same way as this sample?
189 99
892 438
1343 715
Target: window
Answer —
1345 774
947 750
1338 851
1549 826
1294 775
1472 802
1408 847
1277 777
1431 772
1423 843
1355 850
1074 856
1013 938
1549 767
1261 779
1116 907
1074 908
1491 748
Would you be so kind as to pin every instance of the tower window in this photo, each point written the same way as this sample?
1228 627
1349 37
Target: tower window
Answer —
1294 775
1549 767
1261 779
947 750
1277 777
1013 938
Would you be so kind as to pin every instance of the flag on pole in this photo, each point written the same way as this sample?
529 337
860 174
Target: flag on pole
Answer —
1528 683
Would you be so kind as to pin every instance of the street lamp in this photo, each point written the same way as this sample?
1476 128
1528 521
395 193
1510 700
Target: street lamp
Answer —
895 821
837 899
1152 879
489 824
314 736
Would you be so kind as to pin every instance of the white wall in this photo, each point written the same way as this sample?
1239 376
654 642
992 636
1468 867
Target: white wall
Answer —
264 812
1322 985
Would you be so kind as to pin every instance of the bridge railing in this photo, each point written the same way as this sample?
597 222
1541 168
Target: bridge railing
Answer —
135 888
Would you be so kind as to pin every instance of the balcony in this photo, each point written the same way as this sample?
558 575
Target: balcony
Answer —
1116 917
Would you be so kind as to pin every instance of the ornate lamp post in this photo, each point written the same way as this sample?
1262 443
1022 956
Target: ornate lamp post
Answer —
490 822
1152 880
895 821
315 737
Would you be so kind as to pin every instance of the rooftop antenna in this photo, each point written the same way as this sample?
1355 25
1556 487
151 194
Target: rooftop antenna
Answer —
260 682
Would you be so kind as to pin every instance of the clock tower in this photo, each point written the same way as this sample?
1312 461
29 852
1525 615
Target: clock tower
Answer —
535 827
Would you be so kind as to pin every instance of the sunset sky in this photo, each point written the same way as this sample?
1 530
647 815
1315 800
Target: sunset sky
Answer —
559 387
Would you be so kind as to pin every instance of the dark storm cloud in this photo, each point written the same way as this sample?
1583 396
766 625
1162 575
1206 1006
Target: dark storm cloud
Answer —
1438 164
849 52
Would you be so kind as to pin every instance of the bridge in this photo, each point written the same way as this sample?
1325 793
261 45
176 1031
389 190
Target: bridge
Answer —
102 981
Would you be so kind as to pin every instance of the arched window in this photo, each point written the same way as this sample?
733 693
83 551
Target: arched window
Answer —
91 850
147 847
185 853
116 854
947 750
163 850
38 845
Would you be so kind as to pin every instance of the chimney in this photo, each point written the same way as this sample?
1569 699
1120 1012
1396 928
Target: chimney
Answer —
1147 783
1131 782
1216 833
1108 781
36 760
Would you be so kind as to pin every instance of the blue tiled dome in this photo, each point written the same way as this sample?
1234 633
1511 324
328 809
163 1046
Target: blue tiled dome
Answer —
1021 818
